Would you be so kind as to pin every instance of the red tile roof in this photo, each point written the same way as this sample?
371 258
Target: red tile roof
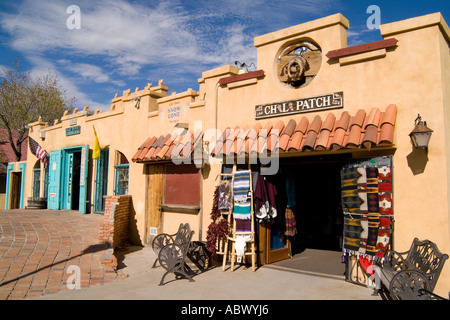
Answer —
363 130
177 145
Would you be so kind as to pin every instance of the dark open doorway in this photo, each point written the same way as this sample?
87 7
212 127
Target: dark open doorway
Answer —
76 180
16 182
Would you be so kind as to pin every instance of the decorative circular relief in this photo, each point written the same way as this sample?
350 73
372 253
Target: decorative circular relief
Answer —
299 63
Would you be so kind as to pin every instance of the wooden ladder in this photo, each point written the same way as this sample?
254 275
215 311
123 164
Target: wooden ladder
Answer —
223 246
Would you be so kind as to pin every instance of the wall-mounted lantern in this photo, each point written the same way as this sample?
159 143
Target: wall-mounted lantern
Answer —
421 134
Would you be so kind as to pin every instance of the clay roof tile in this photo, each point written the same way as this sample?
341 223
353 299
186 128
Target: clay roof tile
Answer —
315 125
358 119
328 124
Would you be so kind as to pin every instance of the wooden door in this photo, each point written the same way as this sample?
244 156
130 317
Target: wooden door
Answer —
155 181
16 178
272 247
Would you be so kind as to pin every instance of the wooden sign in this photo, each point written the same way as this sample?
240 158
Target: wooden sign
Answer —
73 130
278 109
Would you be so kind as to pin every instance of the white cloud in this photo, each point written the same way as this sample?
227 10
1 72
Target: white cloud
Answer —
133 35
89 72
43 67
120 40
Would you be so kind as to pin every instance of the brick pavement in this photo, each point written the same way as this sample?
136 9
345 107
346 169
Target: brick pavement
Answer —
38 249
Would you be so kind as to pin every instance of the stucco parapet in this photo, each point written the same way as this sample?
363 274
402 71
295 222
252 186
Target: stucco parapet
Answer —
50 128
155 92
38 123
76 114
105 114
197 104
301 29
220 72
188 93
433 19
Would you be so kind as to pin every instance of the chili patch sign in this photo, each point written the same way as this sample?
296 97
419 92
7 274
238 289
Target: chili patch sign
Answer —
278 109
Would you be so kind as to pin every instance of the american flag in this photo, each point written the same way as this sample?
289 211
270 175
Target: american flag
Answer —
37 150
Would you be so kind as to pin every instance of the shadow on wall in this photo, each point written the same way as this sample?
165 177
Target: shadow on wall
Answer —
134 232
417 160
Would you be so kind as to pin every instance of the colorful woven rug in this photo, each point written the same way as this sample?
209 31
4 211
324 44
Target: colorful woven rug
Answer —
350 199
368 208
241 195
291 224
352 233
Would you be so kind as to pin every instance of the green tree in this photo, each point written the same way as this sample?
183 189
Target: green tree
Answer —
23 99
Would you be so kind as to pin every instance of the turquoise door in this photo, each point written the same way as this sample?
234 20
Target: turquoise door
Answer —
83 177
54 180
74 178
101 181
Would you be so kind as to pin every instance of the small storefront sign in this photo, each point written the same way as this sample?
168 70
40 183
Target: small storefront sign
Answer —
73 130
278 109
82 166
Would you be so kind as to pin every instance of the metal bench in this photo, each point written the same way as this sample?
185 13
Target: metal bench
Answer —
171 251
427 295
403 274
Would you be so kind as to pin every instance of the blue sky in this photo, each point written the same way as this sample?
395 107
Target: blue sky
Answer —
125 44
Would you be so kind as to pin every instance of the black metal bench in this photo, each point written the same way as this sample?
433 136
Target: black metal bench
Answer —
171 251
403 274
427 295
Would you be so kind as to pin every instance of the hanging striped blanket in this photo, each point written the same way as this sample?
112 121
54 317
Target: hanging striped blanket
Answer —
241 195
368 208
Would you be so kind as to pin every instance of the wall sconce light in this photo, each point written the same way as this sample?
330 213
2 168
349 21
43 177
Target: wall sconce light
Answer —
137 102
244 65
421 134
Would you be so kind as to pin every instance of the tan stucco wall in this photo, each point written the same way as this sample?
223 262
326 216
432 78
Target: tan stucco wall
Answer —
415 76
122 128
410 76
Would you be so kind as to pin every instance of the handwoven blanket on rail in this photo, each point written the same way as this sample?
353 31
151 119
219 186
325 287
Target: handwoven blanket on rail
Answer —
368 208
241 195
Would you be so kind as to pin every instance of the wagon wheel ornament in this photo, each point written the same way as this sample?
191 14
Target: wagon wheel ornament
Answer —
296 68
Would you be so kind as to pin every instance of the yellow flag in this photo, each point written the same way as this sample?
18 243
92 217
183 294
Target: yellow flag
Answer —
96 152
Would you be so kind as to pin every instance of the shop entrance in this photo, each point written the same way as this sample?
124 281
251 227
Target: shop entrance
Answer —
71 194
318 210
68 172
16 178
315 184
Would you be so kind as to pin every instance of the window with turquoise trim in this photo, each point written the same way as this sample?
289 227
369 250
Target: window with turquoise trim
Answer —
101 181
121 174
36 182
46 180
37 179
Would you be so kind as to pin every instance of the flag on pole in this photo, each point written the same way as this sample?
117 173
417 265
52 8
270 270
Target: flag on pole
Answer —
96 152
37 150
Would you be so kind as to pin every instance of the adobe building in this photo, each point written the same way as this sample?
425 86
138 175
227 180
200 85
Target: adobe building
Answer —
325 125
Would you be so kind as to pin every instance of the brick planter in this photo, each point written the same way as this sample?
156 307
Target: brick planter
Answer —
115 228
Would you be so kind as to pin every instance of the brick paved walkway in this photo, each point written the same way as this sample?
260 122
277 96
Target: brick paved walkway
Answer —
38 248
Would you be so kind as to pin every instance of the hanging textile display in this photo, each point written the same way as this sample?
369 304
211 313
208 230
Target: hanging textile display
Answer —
368 207
225 200
350 199
264 199
291 223
242 201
